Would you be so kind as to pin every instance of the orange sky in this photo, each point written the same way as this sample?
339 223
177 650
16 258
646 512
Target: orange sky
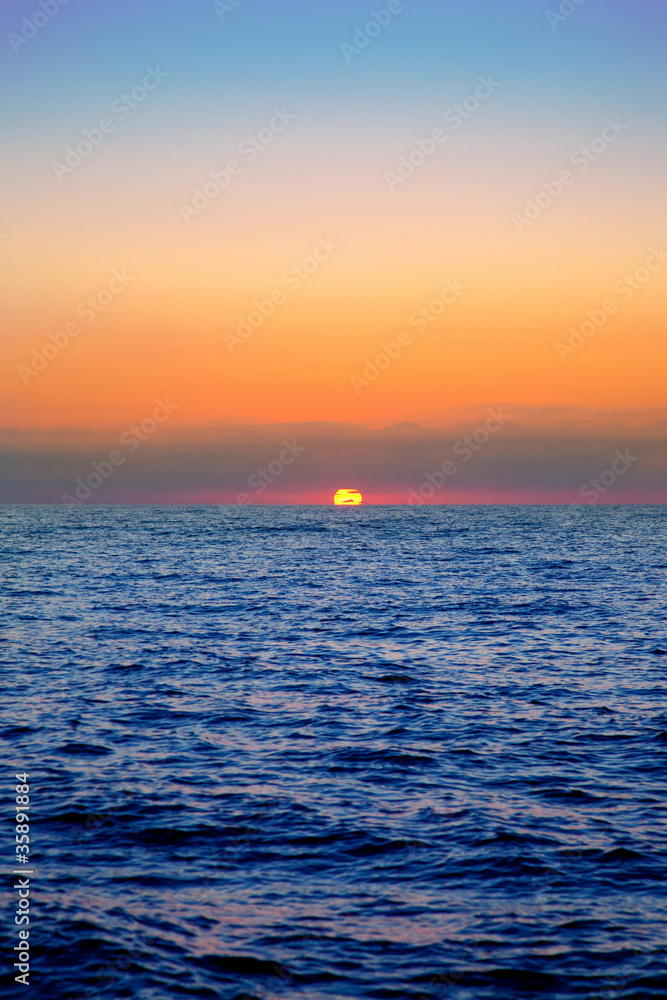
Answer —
536 236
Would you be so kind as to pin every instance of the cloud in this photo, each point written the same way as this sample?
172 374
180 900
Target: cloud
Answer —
534 455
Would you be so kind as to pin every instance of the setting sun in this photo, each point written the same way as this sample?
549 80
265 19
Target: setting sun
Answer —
348 498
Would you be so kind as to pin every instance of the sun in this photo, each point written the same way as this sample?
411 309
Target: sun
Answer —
348 498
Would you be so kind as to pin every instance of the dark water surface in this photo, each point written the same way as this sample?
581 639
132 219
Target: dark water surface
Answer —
317 753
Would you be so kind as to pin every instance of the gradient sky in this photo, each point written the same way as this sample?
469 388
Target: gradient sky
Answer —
170 330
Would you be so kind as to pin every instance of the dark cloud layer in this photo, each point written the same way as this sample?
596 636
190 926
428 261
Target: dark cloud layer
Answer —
494 453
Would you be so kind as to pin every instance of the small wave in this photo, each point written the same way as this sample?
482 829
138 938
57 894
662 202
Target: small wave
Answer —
84 749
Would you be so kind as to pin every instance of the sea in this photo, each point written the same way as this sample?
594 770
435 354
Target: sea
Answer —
313 753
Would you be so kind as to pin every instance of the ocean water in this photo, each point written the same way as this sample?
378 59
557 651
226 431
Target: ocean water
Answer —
323 754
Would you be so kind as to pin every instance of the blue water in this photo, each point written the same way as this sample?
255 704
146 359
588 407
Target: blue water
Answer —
312 753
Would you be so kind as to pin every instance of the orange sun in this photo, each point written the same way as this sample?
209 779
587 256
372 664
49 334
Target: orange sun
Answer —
348 498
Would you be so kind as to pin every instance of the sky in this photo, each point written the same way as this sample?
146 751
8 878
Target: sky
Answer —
364 228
